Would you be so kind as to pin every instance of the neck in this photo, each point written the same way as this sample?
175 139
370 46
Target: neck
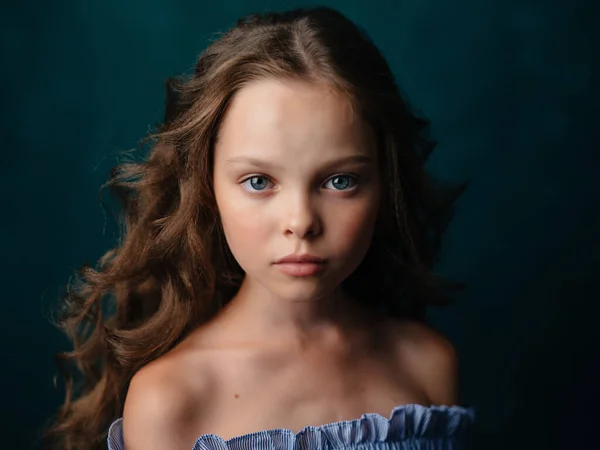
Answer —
258 315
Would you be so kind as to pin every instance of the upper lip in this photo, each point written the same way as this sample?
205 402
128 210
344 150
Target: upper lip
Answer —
300 258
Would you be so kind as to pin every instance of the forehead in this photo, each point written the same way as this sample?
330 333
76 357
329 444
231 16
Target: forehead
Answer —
282 117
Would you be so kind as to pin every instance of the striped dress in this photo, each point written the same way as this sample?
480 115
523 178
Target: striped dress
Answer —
412 427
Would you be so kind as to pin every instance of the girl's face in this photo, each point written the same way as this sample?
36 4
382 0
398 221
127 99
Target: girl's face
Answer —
295 173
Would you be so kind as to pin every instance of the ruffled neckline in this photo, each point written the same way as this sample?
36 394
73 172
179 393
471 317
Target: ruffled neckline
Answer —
406 423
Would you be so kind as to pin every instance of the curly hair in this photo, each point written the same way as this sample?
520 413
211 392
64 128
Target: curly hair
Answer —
172 269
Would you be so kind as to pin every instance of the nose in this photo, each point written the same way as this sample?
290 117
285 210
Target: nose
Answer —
302 219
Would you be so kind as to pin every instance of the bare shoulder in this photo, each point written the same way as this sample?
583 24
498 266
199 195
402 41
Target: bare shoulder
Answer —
430 358
162 406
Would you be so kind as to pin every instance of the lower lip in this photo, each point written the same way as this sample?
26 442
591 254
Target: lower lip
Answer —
304 269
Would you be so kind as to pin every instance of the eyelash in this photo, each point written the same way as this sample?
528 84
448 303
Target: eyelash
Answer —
352 177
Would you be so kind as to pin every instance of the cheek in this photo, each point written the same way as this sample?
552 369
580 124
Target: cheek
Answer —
243 227
354 228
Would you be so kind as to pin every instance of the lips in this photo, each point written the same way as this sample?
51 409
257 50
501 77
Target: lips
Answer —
298 259
301 265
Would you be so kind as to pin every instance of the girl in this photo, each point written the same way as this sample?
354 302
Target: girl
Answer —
276 262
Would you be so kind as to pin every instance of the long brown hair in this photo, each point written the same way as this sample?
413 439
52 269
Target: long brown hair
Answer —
172 270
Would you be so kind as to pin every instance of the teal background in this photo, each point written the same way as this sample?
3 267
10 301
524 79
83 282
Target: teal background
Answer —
511 88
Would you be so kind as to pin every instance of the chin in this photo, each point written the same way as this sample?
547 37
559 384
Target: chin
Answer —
300 293
303 289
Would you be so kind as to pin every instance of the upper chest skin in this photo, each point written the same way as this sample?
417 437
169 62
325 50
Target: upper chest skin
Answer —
257 389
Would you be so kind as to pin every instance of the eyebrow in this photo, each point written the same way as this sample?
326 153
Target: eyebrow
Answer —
347 160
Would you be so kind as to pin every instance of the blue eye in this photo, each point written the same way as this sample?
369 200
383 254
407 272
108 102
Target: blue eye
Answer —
257 183
341 182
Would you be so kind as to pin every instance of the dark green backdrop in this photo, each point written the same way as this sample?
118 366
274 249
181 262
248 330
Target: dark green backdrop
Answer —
509 86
